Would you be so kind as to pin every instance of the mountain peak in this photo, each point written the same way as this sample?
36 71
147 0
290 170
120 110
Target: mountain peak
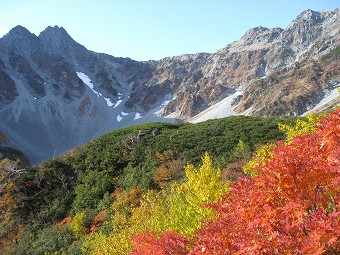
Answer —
259 36
55 33
64 89
55 30
58 38
308 12
19 39
20 31
310 15
19 28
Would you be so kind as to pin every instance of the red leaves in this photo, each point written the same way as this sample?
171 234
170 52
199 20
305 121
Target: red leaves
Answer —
169 243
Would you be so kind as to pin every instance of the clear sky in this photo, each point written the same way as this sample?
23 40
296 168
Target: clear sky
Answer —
154 29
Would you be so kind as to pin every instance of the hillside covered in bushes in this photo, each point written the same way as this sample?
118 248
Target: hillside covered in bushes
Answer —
222 186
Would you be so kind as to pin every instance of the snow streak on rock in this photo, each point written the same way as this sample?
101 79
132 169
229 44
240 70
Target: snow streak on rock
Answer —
108 101
118 103
88 82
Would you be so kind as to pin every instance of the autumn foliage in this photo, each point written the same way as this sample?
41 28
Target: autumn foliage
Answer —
169 242
284 200
164 219
292 206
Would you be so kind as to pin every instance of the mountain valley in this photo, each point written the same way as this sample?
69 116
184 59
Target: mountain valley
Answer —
56 95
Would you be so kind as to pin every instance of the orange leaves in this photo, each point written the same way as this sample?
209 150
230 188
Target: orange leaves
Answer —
126 200
64 222
170 168
98 220
292 207
167 172
169 243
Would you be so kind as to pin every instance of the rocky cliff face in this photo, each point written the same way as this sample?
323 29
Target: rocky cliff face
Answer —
55 94
278 71
301 67
275 68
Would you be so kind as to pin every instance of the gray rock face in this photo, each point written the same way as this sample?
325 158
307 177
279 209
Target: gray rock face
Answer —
8 90
55 94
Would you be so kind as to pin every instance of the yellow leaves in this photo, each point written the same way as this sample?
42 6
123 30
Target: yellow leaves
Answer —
77 225
152 214
301 127
203 185
262 156
186 202
179 208
100 244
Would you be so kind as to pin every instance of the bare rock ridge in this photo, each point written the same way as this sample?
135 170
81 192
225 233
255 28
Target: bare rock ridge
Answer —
55 94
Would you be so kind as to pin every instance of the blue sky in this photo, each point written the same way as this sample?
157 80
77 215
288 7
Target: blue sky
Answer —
154 29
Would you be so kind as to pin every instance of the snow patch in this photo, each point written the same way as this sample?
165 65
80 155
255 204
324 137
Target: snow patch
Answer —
119 118
88 82
221 109
124 113
118 103
138 116
108 101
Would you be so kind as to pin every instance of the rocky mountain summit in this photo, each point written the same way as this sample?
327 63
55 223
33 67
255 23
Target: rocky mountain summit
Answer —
55 94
